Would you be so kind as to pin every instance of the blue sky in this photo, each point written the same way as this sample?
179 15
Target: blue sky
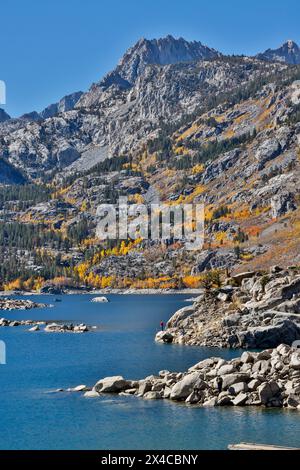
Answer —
51 48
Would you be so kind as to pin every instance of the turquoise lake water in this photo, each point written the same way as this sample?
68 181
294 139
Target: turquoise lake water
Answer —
33 418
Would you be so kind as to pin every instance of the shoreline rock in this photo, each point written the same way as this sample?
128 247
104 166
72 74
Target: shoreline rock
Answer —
270 378
253 311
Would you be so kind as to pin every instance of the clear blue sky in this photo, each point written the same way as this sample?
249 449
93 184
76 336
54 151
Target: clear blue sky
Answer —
50 48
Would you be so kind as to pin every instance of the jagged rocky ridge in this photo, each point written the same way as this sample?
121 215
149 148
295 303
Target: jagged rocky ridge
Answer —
159 79
145 52
289 53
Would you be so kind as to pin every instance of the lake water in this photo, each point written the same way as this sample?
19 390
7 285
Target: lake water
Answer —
33 418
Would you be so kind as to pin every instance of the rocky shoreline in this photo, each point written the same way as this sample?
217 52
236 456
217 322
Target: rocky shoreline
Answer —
270 378
252 310
18 304
49 327
107 291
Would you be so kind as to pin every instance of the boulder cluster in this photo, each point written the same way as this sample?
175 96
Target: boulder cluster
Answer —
6 322
270 378
253 310
65 328
18 304
48 327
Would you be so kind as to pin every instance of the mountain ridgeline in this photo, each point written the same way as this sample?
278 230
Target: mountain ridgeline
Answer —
155 81
175 121
288 53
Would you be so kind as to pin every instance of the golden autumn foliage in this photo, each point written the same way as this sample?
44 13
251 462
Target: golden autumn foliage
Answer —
197 169
31 284
164 282
221 237
192 282
99 282
242 213
89 278
17 284
188 132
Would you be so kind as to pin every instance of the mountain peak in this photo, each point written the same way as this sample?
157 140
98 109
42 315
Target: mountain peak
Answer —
289 53
162 51
290 44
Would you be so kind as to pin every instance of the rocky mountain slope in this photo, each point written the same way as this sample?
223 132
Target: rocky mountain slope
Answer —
155 80
100 127
224 131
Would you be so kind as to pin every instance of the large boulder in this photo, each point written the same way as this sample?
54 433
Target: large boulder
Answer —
179 317
261 367
112 385
295 361
293 288
293 401
205 364
261 337
267 391
227 369
144 387
238 388
268 150
152 395
247 358
282 203
232 379
164 337
239 278
182 389
240 400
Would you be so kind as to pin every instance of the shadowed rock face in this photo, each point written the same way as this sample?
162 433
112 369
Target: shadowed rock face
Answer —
9 174
67 103
3 115
289 53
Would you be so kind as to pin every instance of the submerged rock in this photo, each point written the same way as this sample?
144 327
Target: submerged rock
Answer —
35 328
